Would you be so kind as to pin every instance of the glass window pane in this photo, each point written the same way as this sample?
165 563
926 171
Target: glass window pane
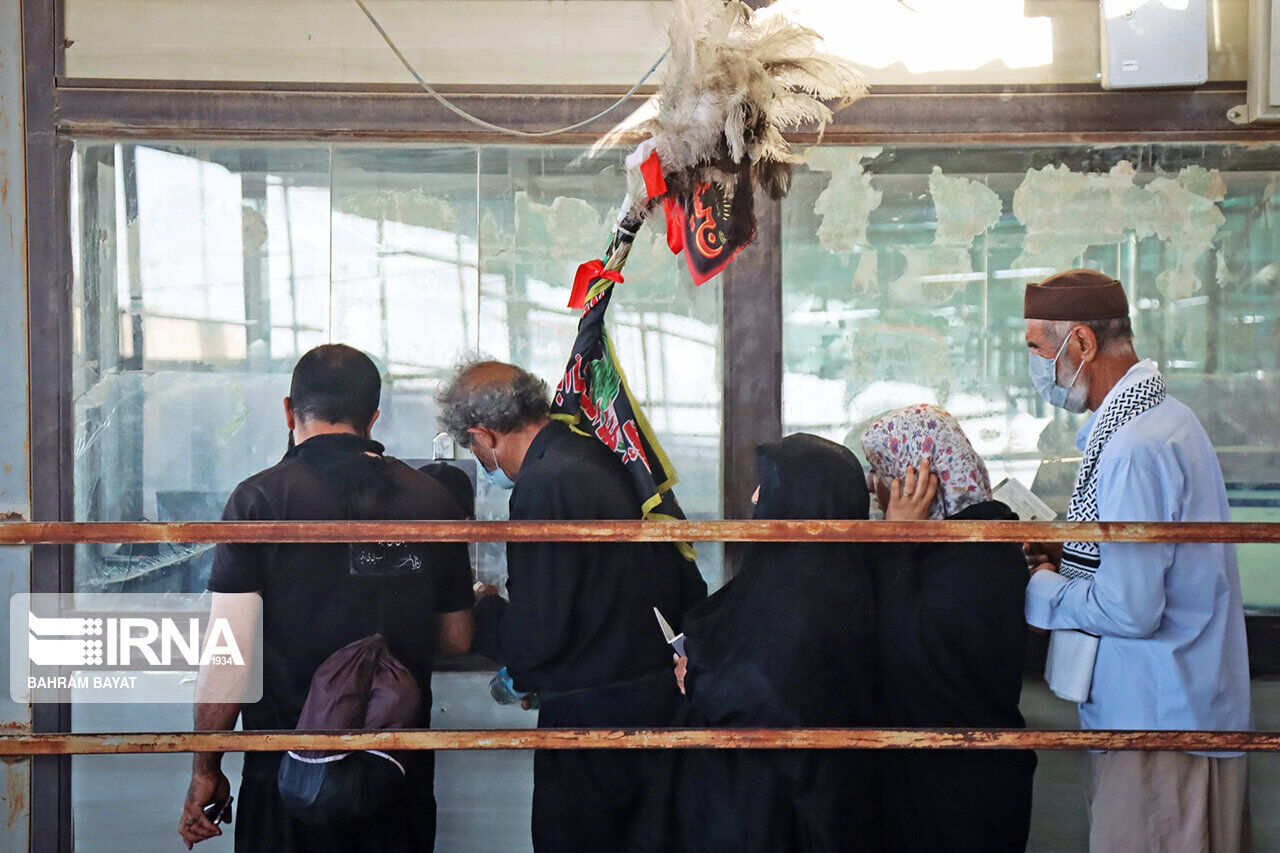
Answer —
903 275
203 274
545 210
204 271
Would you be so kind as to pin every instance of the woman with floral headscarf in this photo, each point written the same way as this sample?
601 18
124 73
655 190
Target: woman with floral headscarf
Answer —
949 634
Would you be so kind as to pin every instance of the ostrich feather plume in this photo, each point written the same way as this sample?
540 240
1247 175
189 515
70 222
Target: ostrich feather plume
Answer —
735 80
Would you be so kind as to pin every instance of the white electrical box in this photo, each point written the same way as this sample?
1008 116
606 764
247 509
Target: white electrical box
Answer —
1264 60
1150 43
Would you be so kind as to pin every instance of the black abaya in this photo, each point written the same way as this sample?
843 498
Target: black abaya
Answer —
950 635
786 643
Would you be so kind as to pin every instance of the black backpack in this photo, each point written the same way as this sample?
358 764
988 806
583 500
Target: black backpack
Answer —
360 686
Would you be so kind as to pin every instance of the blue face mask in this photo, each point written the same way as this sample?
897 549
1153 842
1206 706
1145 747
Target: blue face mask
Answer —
1044 376
497 477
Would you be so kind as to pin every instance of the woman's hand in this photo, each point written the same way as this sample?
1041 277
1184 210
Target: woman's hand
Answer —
682 666
910 501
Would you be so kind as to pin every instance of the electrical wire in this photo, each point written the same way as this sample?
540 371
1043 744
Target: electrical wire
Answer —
456 110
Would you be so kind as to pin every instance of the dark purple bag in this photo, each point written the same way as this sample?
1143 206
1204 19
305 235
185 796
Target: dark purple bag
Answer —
360 686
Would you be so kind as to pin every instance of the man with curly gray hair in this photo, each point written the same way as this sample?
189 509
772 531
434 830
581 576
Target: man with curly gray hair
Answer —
495 410
578 630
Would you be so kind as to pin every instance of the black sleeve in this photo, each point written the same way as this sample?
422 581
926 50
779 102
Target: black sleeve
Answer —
237 566
542 582
488 638
693 587
969 604
969 585
453 578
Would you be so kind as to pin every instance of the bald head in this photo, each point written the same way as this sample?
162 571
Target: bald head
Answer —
497 396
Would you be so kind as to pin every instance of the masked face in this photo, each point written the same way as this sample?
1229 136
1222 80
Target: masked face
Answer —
1044 375
873 486
496 477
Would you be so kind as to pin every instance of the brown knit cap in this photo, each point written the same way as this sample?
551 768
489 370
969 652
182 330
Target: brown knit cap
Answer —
1076 295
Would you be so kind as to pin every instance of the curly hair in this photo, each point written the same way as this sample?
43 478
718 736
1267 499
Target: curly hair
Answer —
502 397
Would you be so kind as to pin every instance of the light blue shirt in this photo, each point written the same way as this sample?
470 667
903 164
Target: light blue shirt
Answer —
1172 653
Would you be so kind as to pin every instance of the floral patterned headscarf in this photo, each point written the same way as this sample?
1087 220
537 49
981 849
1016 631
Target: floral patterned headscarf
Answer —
903 437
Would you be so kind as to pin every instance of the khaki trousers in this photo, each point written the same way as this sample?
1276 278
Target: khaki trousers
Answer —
1167 802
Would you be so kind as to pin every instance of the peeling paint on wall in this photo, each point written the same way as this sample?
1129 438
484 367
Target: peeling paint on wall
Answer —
965 208
410 207
848 201
563 227
1065 212
1187 218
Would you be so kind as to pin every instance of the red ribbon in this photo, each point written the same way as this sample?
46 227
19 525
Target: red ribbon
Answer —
588 273
675 225
655 184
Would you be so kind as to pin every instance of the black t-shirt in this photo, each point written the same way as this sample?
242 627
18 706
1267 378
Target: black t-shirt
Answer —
312 605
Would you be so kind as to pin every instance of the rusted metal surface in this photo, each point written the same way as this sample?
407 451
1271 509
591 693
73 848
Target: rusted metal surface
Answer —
484 739
57 533
938 114
48 304
15 494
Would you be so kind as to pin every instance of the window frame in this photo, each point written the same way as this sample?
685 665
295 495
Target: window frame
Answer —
57 109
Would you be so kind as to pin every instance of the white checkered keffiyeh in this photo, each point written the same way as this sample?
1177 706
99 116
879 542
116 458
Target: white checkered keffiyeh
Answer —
1081 559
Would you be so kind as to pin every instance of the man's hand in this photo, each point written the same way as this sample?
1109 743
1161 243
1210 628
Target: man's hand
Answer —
910 501
484 590
1038 553
206 787
682 667
1045 566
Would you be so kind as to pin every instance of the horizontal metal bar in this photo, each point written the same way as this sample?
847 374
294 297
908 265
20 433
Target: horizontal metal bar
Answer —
1010 114
450 739
72 532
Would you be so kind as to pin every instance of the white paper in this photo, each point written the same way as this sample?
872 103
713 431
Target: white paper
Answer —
1023 501
1069 665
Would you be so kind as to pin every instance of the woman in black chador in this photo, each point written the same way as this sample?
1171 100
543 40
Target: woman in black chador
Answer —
786 643
950 634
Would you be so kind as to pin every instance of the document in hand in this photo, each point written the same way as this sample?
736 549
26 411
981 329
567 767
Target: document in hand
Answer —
1023 501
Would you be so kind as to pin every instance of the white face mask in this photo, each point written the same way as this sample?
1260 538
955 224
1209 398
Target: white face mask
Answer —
1044 375
876 512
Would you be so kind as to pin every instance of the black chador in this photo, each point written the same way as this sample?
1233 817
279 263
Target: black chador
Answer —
786 643
950 634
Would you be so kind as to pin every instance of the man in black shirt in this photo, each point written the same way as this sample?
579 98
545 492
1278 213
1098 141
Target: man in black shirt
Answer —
315 599
579 629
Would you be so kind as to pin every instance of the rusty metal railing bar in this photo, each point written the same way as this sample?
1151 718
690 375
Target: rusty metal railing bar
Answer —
69 532
519 739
